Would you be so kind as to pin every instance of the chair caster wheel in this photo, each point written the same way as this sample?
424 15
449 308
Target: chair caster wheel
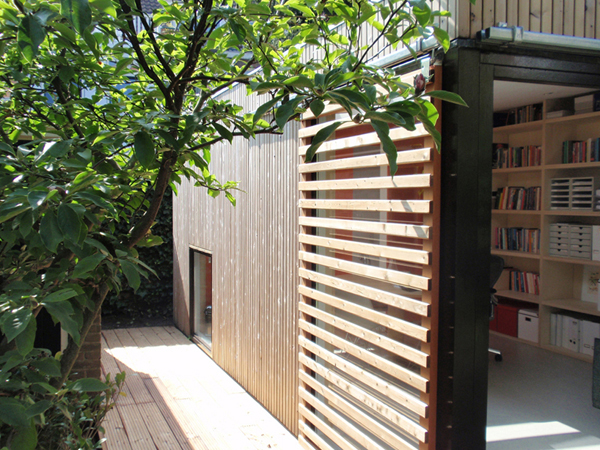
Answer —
498 358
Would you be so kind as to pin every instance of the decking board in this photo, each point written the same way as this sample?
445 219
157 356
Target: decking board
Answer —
179 399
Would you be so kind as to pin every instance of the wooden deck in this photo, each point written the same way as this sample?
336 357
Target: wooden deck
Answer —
178 398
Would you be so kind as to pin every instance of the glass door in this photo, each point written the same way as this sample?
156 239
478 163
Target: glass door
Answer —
202 298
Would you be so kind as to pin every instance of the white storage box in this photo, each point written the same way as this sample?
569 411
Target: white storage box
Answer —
528 325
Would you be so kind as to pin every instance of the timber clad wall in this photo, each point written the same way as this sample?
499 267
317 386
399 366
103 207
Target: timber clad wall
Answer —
254 264
565 17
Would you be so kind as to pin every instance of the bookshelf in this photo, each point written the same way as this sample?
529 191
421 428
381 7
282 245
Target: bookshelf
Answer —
560 278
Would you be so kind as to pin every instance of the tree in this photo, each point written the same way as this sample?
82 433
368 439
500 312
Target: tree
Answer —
104 106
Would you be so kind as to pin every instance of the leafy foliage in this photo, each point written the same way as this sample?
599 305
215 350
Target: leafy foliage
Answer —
154 298
35 415
104 107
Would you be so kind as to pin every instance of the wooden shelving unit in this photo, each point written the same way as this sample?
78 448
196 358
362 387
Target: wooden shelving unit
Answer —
560 277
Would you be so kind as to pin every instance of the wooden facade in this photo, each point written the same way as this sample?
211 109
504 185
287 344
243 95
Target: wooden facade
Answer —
258 309
254 264
565 17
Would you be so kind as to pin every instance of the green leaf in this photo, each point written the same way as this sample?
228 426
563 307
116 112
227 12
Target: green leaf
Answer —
225 133
87 264
62 312
26 223
38 408
60 149
264 108
321 136
30 35
144 148
12 412
287 110
383 132
423 14
371 92
26 339
97 200
261 88
69 222
78 12
60 295
299 81
11 211
317 106
105 6
25 438
15 322
386 117
448 97
36 198
88 385
150 241
131 273
442 37
47 366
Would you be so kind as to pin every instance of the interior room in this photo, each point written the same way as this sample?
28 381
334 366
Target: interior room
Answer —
546 228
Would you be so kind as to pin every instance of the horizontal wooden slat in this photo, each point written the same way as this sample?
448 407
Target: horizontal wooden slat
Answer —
388 298
404 157
400 396
314 437
399 134
387 182
367 400
402 326
406 376
384 342
395 229
406 206
377 273
381 251
324 428
359 416
365 140
305 444
338 420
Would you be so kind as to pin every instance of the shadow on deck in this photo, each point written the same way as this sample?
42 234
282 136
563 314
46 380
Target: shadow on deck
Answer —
178 398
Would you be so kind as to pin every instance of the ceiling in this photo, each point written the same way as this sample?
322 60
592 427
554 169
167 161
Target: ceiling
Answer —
509 94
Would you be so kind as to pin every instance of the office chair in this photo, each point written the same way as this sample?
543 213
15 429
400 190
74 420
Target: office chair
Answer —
496 268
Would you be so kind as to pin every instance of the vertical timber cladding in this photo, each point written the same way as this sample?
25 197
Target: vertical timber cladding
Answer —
564 17
369 289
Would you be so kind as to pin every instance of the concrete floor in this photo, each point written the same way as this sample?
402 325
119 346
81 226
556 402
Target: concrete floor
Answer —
540 400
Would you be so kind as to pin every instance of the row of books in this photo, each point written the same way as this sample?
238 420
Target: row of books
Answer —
518 198
524 114
505 157
517 239
526 282
581 151
573 333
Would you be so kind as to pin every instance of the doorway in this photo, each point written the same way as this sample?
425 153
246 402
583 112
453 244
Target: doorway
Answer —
468 136
201 298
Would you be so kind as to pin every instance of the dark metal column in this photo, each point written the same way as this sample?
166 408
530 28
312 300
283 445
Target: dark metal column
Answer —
465 252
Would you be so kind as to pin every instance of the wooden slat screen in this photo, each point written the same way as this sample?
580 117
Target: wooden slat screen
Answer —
368 292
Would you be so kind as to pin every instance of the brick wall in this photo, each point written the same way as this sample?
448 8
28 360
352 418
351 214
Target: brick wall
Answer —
88 363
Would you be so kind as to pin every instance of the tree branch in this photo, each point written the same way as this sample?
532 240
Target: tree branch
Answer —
141 58
166 67
366 52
